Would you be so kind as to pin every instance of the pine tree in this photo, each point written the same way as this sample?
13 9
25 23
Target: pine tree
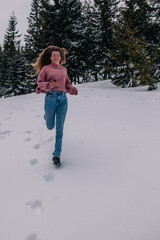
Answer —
33 36
91 53
25 85
11 57
135 66
137 13
46 20
109 11
11 42
66 26
39 36
155 35
144 16
109 14
1 74
1 54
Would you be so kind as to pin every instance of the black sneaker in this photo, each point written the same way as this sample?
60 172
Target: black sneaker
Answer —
56 161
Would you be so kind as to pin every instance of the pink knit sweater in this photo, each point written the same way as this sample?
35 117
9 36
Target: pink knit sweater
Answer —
52 72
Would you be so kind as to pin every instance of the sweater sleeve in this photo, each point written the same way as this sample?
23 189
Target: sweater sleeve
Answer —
70 89
43 86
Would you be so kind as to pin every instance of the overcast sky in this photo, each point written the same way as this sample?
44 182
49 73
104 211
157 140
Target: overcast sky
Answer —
21 8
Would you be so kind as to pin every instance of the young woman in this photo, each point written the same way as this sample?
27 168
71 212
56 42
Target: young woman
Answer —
53 80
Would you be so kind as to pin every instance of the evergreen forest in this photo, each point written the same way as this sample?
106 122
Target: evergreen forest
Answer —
117 40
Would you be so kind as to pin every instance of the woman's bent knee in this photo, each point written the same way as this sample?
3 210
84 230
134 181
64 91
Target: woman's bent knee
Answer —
49 126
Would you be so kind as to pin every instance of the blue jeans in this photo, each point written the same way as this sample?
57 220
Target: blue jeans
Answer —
55 107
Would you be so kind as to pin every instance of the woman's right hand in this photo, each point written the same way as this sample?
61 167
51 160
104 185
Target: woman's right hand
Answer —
53 85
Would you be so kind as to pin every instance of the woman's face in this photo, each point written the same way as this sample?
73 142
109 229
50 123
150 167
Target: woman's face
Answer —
55 57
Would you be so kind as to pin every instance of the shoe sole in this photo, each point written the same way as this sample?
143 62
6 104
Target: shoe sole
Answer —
57 165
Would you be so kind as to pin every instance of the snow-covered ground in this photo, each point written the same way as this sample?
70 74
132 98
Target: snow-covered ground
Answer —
108 187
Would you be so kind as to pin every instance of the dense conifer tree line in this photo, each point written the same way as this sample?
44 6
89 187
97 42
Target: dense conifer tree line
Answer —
105 39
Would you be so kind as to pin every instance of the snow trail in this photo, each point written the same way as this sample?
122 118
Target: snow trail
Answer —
109 182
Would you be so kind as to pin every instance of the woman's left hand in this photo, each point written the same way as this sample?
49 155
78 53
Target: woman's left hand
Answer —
76 92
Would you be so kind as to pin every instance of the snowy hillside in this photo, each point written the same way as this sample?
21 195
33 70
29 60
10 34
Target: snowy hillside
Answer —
108 187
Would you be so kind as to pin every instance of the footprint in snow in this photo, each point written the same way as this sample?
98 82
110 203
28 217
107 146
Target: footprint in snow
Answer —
7 118
33 161
27 139
48 177
85 96
35 206
36 146
28 132
4 134
50 139
32 237
156 99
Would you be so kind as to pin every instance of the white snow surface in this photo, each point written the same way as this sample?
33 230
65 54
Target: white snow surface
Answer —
108 187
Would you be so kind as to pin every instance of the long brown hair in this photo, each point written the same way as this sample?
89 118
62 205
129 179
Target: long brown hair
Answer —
44 57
